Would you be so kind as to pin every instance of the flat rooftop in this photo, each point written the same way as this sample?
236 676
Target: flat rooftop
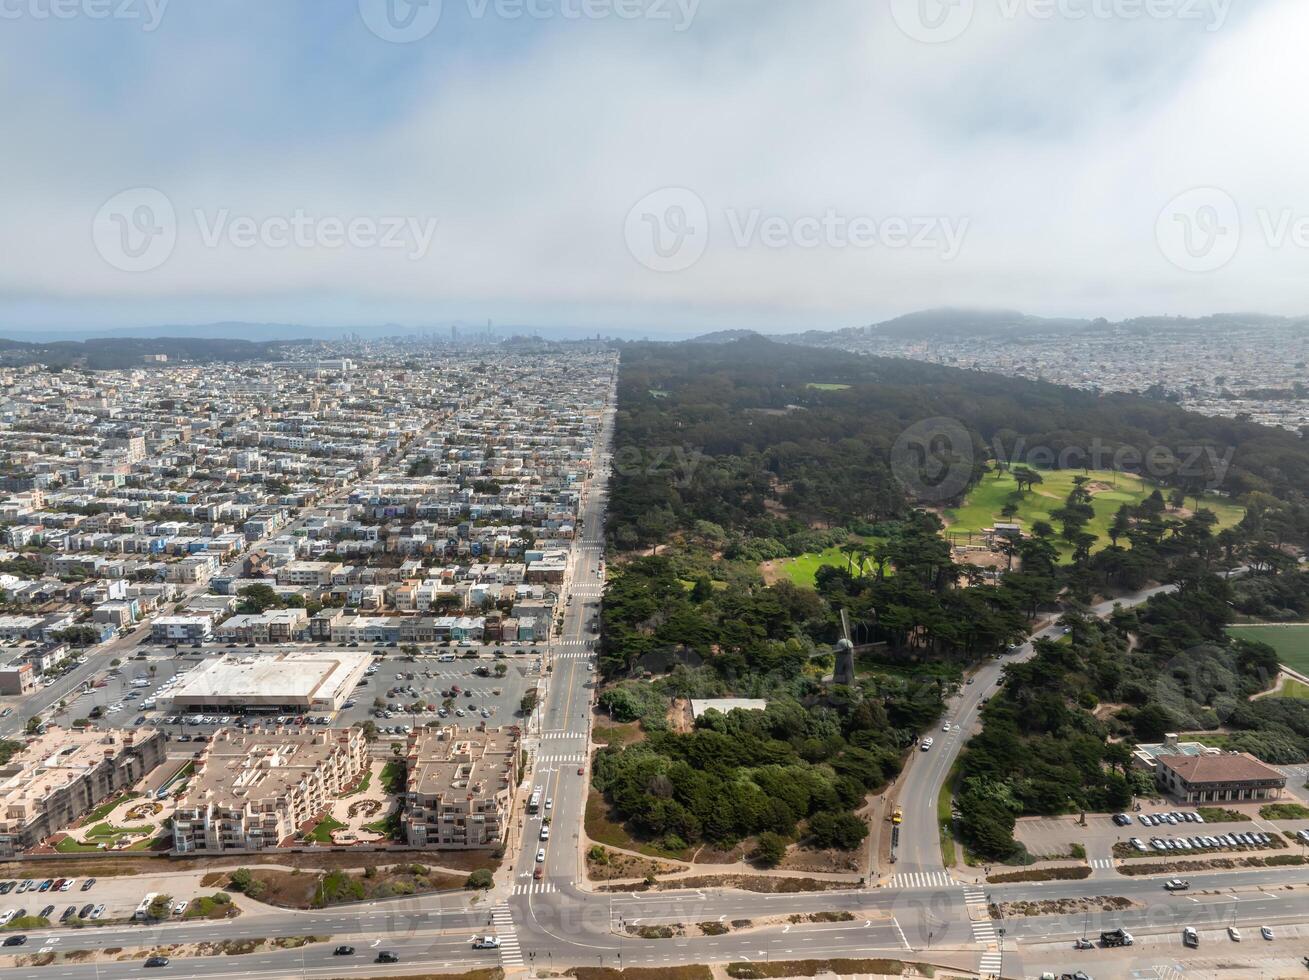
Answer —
279 675
700 705
456 763
263 765
51 762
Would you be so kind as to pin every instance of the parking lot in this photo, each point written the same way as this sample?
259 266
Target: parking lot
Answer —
114 897
490 683
1048 836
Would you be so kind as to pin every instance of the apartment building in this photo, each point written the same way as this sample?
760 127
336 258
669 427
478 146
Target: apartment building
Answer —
256 789
460 786
61 775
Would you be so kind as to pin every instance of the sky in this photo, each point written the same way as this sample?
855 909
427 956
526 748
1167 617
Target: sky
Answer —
654 165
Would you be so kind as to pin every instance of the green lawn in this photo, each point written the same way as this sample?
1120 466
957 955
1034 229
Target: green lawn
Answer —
803 569
322 833
1110 491
1290 641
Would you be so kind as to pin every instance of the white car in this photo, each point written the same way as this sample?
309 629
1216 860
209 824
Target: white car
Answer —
549 803
1234 933
945 727
1266 933
927 743
486 942
180 908
540 856
545 832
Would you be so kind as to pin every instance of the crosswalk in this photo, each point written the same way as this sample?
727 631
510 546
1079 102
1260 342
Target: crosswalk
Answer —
922 879
979 919
511 954
563 735
536 888
571 643
1103 864
574 655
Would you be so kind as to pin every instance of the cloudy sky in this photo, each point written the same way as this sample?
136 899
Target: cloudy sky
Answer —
648 164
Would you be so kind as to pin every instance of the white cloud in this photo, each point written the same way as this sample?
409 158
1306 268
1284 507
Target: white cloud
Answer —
1057 141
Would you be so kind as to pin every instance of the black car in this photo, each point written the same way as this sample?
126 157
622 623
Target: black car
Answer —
68 913
15 940
385 957
47 911
86 885
157 961
7 887
344 951
85 910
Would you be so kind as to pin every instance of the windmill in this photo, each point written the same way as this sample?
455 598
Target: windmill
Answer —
844 673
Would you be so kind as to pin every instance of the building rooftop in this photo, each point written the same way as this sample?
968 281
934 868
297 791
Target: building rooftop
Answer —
291 674
700 705
52 761
1234 767
247 767
455 763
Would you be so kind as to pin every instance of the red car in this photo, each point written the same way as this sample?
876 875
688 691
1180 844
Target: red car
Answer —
539 873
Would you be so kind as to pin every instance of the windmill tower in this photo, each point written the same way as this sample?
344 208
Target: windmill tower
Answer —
844 673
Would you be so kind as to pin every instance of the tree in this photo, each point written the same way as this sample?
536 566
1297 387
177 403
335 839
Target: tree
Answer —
481 879
769 850
528 704
501 669
842 831
160 907
32 725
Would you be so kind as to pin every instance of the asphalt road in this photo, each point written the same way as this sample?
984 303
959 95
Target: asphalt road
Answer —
920 785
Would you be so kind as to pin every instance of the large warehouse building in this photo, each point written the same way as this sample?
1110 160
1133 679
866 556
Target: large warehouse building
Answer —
309 681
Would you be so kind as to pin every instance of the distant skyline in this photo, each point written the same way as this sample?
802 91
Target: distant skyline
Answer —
657 167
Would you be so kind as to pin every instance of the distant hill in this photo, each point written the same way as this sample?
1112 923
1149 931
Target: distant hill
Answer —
724 336
124 352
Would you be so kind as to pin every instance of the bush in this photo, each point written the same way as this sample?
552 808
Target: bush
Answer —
769 850
480 879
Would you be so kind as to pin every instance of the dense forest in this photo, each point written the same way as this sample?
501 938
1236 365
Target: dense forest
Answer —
767 439
729 455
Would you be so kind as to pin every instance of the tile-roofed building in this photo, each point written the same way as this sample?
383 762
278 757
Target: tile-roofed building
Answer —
1229 777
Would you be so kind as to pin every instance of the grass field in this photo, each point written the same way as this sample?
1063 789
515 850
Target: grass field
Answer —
803 569
1110 491
1290 641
